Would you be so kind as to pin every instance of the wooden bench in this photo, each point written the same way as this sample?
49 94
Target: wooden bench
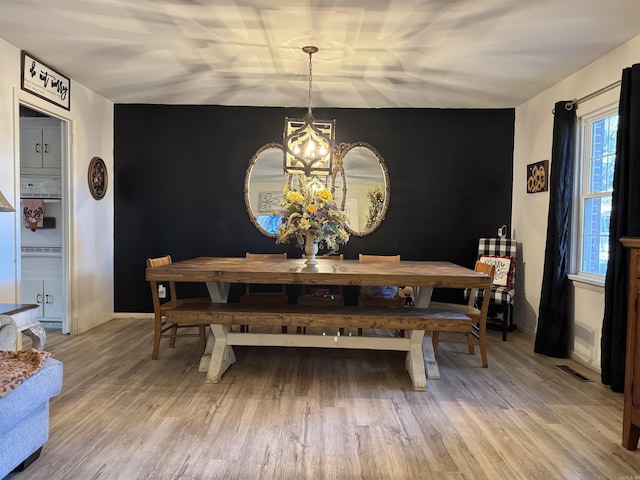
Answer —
221 316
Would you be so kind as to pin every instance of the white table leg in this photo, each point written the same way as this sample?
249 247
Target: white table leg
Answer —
415 360
422 298
206 356
222 356
431 364
219 292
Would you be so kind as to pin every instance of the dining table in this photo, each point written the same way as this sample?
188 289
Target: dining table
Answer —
219 273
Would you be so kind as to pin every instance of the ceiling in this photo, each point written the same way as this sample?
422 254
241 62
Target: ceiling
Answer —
373 53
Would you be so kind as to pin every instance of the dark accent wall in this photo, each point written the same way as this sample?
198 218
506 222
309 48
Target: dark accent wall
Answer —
180 169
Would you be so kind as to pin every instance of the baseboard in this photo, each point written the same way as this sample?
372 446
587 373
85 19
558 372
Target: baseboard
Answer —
132 315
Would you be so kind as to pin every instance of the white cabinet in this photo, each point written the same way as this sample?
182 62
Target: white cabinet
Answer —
40 146
42 285
47 294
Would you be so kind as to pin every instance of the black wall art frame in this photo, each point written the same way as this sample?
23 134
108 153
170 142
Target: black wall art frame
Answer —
538 177
41 80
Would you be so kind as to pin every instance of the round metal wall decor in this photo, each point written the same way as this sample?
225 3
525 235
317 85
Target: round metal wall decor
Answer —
97 178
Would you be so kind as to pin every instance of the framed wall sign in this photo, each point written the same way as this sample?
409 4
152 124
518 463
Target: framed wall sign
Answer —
97 178
43 81
538 177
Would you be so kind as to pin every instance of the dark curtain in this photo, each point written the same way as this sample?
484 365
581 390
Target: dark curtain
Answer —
552 335
625 222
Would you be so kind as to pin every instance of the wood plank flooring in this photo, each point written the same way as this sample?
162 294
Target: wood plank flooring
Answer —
294 413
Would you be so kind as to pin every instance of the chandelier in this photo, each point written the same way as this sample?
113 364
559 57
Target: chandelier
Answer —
308 143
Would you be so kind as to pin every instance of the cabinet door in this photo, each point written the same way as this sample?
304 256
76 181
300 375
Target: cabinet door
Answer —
40 145
32 292
31 147
52 148
53 299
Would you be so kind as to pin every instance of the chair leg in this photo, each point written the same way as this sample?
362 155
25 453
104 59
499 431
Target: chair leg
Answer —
482 343
156 340
505 321
203 337
470 337
434 341
174 332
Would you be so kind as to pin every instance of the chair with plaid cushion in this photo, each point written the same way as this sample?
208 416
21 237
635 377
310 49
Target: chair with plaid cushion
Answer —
501 253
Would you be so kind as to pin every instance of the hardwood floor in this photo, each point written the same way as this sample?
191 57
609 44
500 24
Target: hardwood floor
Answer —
294 413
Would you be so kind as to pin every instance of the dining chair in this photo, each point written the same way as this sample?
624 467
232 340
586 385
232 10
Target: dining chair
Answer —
478 334
161 306
322 295
368 299
500 252
259 294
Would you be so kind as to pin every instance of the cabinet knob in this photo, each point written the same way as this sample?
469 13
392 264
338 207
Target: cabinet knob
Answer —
39 298
37 148
49 298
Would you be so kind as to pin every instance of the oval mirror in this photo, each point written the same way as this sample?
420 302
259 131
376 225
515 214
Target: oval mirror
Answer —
263 186
365 187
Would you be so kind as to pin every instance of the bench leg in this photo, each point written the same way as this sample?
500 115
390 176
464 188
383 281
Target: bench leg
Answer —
222 356
415 360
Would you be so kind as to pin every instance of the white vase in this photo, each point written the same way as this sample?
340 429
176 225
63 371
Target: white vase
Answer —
311 248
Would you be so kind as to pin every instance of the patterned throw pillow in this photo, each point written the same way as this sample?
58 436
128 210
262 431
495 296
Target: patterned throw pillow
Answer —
504 269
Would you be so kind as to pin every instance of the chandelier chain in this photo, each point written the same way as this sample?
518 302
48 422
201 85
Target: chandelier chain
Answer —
310 76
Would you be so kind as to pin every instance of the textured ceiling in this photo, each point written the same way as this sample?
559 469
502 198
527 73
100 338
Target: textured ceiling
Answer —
373 53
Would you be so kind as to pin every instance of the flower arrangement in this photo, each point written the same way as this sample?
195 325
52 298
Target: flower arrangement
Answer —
311 210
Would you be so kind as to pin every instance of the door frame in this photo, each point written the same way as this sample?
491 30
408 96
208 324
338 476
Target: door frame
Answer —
68 127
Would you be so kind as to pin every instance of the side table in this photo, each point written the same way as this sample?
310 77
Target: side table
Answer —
25 316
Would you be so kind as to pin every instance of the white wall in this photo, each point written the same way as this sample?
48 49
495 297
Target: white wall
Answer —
91 222
533 138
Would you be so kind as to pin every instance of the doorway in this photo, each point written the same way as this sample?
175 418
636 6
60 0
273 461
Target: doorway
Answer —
43 219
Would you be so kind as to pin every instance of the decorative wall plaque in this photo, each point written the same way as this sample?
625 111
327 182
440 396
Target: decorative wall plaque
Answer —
97 178
43 81
538 177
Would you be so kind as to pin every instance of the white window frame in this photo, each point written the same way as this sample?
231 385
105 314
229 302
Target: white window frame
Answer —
602 107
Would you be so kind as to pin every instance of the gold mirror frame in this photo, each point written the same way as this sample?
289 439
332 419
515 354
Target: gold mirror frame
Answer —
339 180
340 174
276 167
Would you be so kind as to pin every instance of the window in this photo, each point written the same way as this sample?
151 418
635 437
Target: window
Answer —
597 159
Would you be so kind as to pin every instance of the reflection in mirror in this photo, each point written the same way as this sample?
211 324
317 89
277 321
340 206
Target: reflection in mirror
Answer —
263 186
365 186
360 185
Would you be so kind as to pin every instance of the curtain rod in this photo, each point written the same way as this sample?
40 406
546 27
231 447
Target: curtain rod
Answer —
577 101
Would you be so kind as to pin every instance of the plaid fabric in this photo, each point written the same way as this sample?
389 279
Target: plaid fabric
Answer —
504 247
497 246
500 295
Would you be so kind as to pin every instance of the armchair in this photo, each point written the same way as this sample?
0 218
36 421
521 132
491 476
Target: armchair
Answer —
501 253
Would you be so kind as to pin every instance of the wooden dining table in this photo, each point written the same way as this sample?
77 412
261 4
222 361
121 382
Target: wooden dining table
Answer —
220 272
